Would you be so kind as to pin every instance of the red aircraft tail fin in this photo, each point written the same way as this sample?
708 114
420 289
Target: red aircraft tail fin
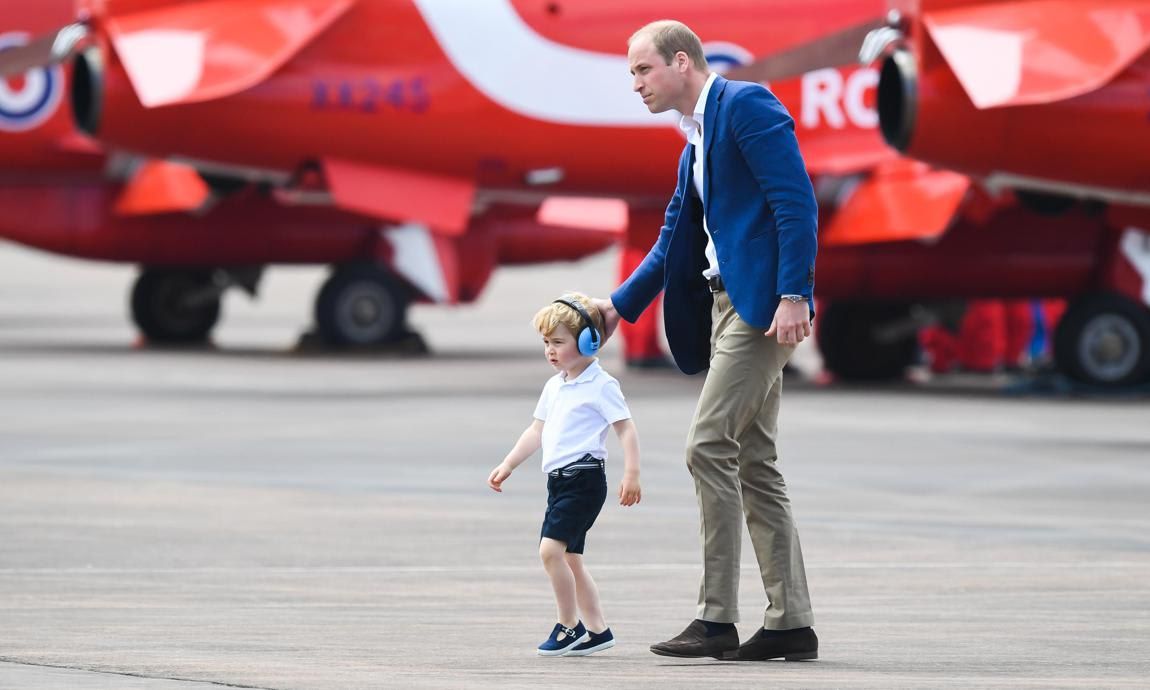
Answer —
1019 53
186 52
108 8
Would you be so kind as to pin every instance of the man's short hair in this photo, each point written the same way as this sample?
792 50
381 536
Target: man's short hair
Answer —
548 318
670 37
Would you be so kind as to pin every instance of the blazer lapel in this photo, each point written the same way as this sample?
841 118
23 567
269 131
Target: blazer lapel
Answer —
710 117
689 184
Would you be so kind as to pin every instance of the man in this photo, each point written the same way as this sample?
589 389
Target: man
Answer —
735 258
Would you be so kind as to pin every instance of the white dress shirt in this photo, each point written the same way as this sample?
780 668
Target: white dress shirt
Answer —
692 127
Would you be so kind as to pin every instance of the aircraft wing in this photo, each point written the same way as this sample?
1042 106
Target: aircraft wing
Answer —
899 200
1019 53
847 153
162 187
444 203
606 215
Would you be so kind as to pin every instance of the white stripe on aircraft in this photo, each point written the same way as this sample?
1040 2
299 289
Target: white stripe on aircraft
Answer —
499 54
1136 249
417 260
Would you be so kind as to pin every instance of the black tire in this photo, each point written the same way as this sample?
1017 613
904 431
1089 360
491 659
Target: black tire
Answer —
361 305
1104 340
849 336
175 306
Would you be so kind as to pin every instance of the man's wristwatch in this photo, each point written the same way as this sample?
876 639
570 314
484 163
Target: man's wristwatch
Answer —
795 299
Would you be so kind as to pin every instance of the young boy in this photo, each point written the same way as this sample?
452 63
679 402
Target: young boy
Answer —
571 420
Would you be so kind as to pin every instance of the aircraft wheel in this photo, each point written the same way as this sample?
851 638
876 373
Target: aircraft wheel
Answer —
1104 340
862 341
176 306
361 304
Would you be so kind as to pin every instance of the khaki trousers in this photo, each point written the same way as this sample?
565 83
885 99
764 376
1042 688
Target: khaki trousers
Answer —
731 456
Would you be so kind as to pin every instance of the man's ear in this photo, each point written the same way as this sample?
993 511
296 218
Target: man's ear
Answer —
682 61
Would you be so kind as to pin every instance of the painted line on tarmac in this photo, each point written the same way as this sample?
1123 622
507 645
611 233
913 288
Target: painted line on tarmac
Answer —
79 676
447 569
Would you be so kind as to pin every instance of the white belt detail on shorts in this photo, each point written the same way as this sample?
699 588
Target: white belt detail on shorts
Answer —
587 462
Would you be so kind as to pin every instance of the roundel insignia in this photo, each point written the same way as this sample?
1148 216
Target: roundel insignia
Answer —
722 56
25 103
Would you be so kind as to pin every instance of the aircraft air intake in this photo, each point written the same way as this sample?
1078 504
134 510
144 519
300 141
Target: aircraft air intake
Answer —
87 94
897 98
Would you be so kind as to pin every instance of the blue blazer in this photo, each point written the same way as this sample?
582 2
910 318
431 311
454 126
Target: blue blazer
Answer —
761 211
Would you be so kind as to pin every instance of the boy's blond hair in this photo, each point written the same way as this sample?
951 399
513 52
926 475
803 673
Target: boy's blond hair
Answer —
548 318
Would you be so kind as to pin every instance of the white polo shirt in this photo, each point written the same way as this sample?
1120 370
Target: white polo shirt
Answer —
577 414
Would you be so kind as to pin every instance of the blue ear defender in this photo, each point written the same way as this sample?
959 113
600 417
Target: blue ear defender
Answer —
588 339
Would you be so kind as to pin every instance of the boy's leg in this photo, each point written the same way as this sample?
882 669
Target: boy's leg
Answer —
552 553
587 594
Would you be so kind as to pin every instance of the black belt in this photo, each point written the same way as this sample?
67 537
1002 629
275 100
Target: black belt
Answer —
587 462
715 282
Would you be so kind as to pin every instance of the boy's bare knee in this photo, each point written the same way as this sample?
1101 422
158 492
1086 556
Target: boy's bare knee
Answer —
551 550
575 560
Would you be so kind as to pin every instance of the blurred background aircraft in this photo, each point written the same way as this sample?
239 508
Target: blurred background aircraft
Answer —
425 126
1049 99
196 235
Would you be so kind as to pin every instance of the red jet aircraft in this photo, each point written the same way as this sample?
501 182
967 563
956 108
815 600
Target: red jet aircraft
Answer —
418 121
1049 98
430 113
196 235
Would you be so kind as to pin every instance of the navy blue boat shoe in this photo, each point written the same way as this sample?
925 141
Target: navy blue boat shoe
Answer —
563 639
596 642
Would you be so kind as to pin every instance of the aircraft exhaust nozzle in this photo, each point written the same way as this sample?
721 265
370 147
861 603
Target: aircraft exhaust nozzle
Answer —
87 97
898 98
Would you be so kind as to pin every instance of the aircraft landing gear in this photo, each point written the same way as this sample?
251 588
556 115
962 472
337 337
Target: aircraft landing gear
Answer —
361 305
864 341
176 305
1043 203
1104 340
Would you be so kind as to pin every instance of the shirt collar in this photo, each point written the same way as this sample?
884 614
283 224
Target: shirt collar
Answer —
693 123
593 369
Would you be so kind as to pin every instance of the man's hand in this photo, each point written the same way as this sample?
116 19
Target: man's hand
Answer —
629 491
610 316
498 475
792 322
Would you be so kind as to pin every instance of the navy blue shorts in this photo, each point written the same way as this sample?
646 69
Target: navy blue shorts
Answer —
574 499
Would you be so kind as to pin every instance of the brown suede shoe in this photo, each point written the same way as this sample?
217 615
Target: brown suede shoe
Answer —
693 643
800 644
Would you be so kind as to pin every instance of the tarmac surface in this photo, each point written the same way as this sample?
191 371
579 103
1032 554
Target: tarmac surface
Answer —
248 516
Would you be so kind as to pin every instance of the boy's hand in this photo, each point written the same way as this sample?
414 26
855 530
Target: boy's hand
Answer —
498 475
629 491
